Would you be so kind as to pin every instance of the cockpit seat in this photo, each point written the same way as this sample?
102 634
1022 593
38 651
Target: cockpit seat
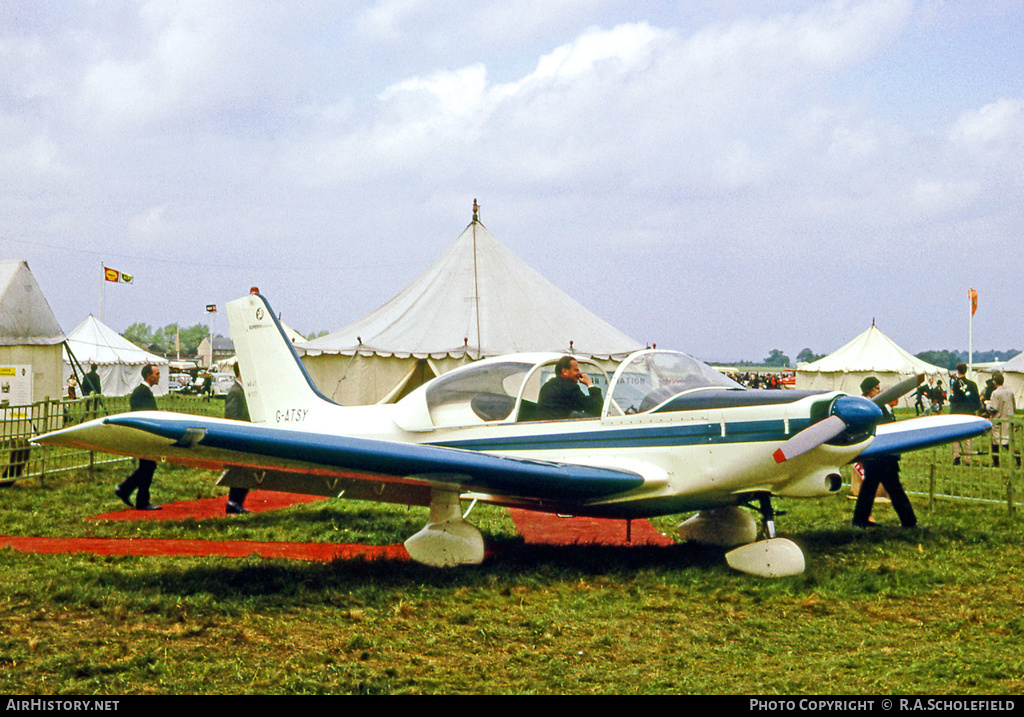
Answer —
492 406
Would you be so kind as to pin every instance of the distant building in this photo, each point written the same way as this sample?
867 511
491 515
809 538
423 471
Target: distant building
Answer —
210 353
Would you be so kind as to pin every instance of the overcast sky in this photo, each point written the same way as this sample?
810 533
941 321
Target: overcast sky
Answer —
722 177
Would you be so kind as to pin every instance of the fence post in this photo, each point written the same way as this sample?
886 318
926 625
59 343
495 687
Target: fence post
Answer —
1011 508
931 485
46 427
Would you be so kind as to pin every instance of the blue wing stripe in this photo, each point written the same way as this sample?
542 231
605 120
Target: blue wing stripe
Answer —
485 472
645 437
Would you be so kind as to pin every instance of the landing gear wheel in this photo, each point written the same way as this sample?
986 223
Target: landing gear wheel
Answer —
773 558
447 540
725 527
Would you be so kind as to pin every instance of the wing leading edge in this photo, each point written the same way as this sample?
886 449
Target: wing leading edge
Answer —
924 432
198 440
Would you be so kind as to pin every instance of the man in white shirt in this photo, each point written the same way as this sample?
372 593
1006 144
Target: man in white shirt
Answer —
1000 408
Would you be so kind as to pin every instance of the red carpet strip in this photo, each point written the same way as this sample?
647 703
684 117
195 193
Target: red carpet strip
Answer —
553 530
203 548
534 527
257 501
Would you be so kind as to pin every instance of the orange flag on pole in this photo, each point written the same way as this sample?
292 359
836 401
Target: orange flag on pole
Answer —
973 296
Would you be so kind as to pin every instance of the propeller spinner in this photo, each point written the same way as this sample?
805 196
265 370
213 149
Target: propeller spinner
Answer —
853 413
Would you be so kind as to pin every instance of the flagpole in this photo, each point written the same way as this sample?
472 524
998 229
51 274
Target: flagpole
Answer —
972 295
103 280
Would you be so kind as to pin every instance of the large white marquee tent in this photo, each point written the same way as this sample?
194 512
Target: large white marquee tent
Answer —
872 353
117 360
477 300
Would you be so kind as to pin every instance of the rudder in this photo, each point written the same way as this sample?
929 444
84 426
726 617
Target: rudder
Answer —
277 385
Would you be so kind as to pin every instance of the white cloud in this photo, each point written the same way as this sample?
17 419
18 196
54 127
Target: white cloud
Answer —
996 123
456 93
933 196
676 140
437 26
622 49
385 19
149 225
185 63
31 153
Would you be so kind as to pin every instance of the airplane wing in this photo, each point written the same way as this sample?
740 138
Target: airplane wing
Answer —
924 432
219 443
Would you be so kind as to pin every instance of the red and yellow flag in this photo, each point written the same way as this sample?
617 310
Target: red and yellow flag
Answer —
116 276
973 296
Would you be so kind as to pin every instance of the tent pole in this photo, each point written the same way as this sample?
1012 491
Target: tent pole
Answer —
75 365
476 285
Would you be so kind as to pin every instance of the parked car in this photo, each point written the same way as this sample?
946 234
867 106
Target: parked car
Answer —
222 383
179 383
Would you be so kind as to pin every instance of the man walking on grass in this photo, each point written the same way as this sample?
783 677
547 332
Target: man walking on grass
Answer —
142 399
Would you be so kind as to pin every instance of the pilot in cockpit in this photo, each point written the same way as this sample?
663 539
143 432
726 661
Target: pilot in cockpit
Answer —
561 396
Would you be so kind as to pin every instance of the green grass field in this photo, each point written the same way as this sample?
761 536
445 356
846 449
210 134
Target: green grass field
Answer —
887 611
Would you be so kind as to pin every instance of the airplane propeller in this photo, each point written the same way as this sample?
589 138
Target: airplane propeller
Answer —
898 391
847 412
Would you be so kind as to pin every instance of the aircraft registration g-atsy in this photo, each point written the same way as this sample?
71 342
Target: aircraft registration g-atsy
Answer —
673 436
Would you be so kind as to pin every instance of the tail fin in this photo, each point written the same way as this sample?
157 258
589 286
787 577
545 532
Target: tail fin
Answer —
278 389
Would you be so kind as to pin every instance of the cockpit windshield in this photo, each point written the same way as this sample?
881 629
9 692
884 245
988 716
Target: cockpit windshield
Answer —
650 378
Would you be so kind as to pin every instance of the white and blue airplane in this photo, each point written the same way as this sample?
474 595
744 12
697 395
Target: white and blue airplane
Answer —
673 436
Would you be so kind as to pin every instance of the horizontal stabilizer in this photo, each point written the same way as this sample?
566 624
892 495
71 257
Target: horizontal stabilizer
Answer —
924 432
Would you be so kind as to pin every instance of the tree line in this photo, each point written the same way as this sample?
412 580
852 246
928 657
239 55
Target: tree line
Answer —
170 339
174 338
942 359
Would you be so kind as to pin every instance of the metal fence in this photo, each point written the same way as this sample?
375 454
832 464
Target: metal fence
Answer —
982 474
982 470
987 471
19 459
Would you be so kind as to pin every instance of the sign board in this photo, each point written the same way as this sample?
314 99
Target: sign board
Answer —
15 390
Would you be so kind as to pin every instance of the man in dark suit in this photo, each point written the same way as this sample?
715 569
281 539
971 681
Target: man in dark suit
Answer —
92 390
91 382
236 409
561 396
964 399
923 393
142 399
884 470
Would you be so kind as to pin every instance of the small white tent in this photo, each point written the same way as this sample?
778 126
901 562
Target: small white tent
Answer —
477 300
872 353
117 360
30 339
1013 375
